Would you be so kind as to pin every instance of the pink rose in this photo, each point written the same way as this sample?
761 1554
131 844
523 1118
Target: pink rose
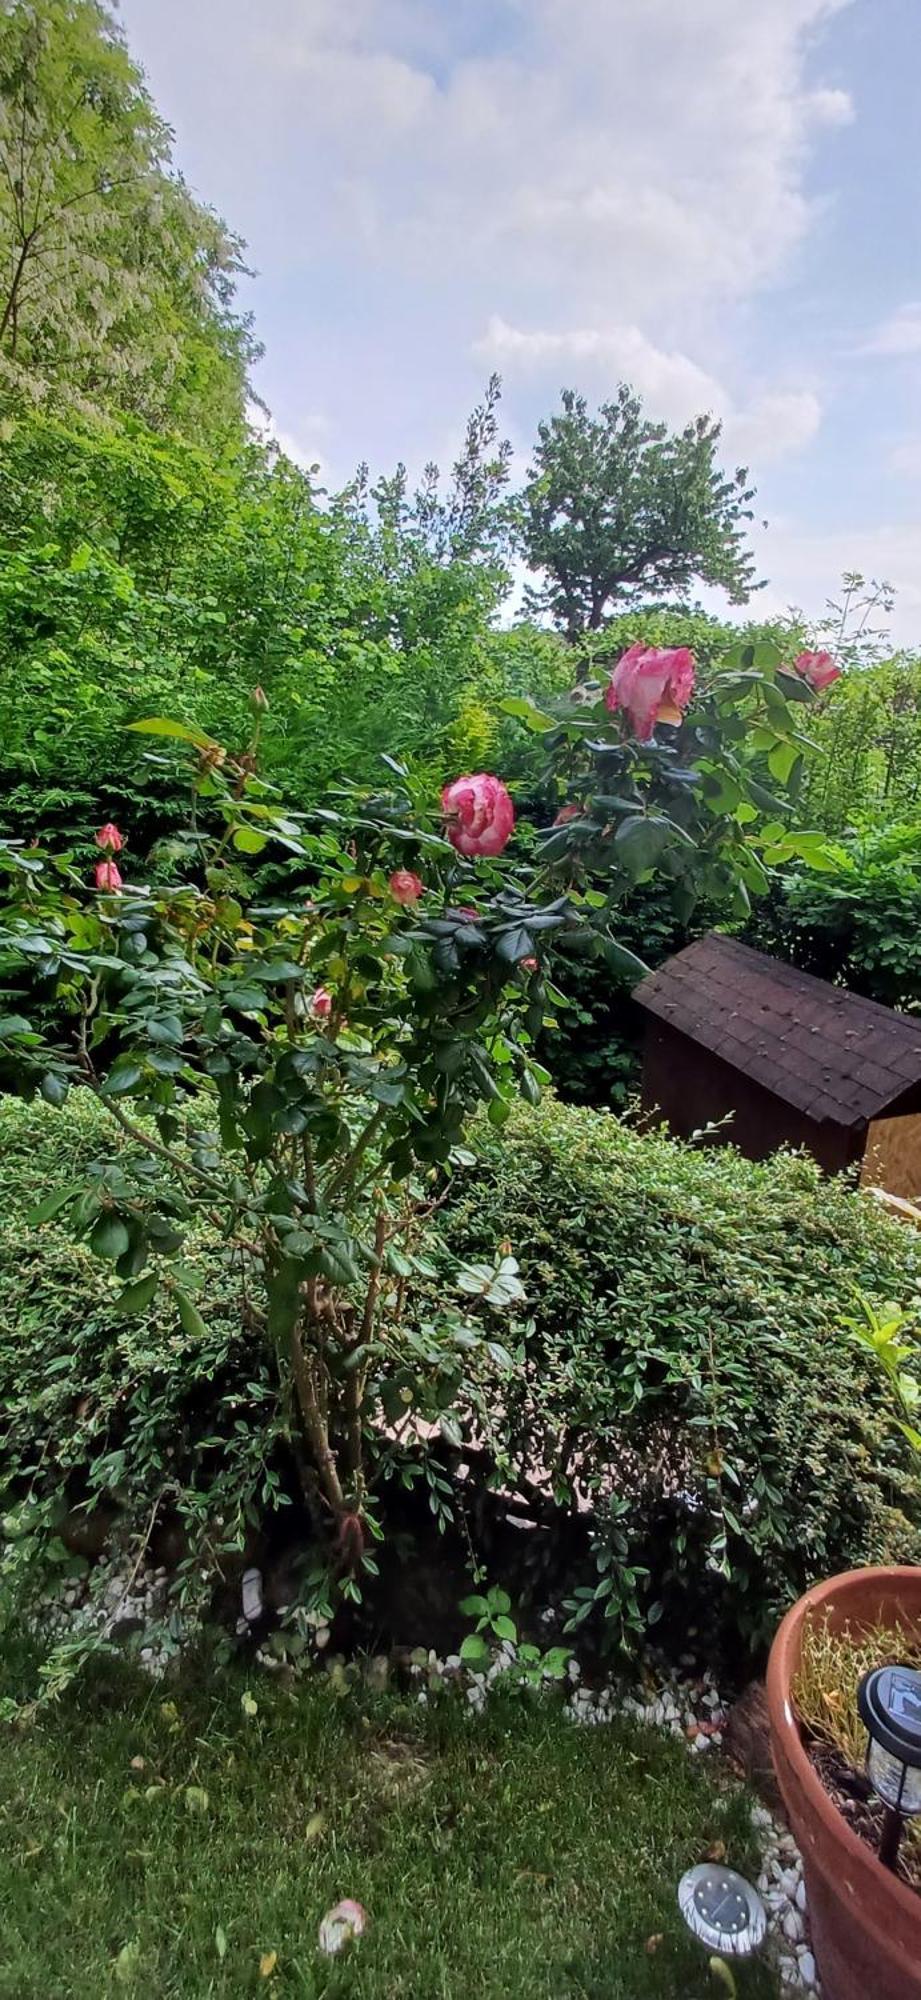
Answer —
321 1004
819 669
406 887
480 814
651 684
529 964
110 838
108 875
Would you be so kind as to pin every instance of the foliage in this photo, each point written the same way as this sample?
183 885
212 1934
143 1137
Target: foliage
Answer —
616 507
140 575
593 1050
688 1368
891 1336
858 924
472 1841
869 733
296 1064
116 286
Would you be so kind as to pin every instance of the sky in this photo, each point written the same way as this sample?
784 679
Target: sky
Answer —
716 200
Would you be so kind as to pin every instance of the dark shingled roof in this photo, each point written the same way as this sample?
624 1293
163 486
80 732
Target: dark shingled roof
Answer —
830 1053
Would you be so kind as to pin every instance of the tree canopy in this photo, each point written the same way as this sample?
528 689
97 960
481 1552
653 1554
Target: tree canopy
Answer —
618 509
116 286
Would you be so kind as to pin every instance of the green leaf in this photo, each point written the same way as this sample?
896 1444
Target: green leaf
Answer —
515 944
189 1316
474 1648
525 711
124 1076
54 1088
639 842
109 1237
12 1026
52 1203
137 1297
620 959
248 840
160 725
505 1628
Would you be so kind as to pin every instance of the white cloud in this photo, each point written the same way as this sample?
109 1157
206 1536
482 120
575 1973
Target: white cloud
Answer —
637 151
806 568
674 386
899 334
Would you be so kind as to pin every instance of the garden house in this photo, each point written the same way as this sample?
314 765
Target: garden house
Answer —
788 1059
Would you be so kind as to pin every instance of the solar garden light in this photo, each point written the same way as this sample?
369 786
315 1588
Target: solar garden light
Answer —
889 1700
725 1913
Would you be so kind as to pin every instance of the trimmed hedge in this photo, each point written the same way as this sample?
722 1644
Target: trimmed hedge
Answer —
686 1365
689 1360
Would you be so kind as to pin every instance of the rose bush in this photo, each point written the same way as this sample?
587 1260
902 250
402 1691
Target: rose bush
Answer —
295 1053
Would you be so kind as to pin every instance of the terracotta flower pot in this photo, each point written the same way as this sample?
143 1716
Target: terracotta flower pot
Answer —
865 1922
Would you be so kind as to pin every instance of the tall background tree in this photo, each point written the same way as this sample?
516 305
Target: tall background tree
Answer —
617 509
116 286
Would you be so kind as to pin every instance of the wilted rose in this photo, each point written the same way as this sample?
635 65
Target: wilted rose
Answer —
406 887
345 1921
819 669
651 684
480 814
110 838
108 875
566 813
321 1003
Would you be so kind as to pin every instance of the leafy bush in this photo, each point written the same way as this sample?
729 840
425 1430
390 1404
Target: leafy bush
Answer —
689 1367
858 923
869 732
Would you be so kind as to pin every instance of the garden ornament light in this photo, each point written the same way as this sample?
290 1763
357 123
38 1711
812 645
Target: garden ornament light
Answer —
889 1700
725 1913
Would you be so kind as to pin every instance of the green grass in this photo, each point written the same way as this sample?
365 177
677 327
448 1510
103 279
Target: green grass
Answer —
507 1857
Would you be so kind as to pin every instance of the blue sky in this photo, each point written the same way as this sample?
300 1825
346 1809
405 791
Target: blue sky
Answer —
715 199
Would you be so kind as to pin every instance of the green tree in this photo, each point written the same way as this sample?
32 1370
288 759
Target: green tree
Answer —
116 287
617 508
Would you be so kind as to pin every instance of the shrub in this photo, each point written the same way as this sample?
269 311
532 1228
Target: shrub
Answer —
689 1367
859 923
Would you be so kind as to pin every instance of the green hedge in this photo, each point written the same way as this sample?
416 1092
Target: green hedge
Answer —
687 1364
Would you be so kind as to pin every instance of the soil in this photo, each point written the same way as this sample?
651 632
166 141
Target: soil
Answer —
851 1792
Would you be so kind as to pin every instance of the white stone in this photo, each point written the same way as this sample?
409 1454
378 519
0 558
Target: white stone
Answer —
792 1926
807 1969
801 1895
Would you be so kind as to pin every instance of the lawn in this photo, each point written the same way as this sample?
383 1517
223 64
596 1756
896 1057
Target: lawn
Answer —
175 1843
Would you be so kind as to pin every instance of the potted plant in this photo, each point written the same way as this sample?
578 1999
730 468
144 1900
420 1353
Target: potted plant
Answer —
865 1916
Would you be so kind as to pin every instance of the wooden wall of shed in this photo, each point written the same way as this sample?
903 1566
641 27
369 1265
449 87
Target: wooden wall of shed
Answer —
893 1155
689 1087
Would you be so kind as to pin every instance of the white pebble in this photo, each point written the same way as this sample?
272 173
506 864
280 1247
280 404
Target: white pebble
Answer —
807 1971
800 1897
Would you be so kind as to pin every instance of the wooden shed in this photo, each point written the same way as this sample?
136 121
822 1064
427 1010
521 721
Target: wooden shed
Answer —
795 1061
